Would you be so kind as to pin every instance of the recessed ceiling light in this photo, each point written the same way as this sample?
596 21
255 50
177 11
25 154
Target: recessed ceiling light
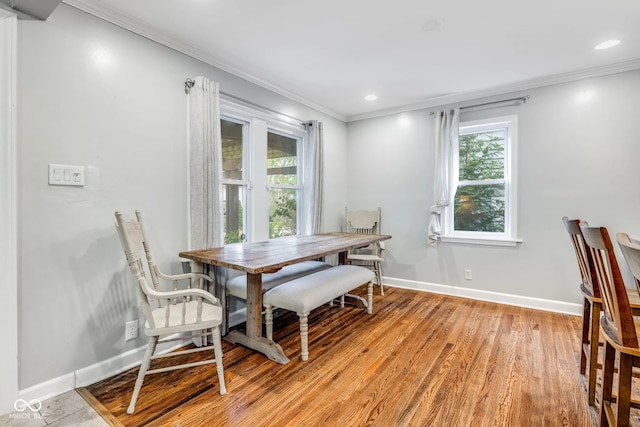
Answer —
371 97
433 25
607 44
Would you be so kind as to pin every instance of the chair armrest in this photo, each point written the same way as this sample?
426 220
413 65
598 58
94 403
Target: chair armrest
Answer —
183 276
381 245
181 293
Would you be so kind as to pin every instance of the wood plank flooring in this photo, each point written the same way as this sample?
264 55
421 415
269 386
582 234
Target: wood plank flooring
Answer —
420 359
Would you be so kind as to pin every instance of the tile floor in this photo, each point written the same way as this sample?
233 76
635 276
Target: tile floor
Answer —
68 409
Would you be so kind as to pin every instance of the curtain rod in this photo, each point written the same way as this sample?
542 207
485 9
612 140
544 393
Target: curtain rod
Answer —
188 84
522 99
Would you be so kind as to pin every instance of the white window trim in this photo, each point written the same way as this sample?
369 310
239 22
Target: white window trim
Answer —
511 154
245 182
300 138
259 124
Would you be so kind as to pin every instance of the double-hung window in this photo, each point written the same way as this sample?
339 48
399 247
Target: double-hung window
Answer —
262 174
283 183
235 177
483 205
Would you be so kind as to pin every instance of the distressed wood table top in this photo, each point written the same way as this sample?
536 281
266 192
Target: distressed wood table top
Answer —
271 255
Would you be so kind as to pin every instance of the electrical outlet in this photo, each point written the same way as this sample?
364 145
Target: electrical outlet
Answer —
131 330
467 274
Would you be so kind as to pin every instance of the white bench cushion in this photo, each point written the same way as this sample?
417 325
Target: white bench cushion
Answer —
237 286
306 293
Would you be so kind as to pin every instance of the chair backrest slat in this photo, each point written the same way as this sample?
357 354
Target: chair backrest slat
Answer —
630 248
132 240
585 262
615 300
362 222
135 244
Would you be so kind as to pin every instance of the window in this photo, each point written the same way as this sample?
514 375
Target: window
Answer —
262 184
282 184
234 182
483 209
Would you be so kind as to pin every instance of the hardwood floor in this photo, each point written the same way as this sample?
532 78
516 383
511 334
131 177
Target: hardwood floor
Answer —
420 359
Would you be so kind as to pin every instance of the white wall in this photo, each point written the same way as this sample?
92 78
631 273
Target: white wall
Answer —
577 156
8 220
96 95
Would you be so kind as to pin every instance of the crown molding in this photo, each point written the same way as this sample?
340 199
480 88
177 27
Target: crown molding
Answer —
136 26
523 85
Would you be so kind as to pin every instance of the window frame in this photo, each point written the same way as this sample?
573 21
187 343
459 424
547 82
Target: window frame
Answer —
300 138
244 182
258 124
507 238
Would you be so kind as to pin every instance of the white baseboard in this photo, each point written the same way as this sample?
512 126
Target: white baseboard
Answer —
497 297
115 365
49 389
94 373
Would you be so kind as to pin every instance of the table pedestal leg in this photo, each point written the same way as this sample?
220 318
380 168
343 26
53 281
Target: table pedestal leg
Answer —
253 338
265 346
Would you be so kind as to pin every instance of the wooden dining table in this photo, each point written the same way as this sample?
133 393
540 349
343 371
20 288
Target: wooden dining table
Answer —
268 257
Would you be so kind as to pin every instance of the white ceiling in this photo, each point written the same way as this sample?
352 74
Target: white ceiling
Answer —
329 54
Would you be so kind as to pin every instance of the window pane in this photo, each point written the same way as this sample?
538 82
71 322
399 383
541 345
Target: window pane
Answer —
283 205
231 149
482 155
480 208
233 213
282 159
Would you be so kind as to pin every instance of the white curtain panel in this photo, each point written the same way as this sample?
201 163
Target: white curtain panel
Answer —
313 197
205 165
446 125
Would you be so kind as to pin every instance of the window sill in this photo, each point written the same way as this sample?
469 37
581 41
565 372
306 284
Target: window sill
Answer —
481 241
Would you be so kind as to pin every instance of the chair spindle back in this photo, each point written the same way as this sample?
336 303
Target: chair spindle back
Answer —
631 251
585 261
618 317
132 240
362 222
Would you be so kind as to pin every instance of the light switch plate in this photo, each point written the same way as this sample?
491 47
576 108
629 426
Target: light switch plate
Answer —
66 175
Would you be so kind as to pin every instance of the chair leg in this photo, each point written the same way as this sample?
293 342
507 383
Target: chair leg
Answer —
144 367
586 322
594 342
370 298
304 335
227 302
607 383
268 321
217 351
623 406
379 277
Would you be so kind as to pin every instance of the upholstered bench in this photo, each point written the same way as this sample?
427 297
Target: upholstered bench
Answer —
237 286
309 292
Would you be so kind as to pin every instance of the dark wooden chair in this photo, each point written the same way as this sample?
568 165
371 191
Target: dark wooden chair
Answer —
592 306
617 326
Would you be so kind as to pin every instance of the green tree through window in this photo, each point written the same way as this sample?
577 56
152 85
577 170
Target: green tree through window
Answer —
479 202
282 180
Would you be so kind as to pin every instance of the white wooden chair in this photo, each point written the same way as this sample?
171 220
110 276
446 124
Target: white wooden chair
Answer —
366 222
169 312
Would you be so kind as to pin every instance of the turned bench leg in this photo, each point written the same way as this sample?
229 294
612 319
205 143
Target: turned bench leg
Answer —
370 298
304 335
